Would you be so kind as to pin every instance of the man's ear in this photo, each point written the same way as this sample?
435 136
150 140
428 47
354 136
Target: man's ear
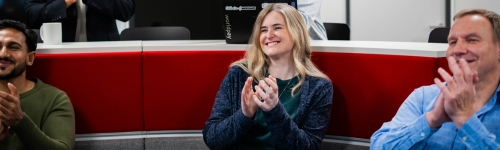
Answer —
497 49
31 58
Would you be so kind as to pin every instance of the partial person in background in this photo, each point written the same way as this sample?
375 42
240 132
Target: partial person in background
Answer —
33 115
464 111
310 11
82 20
12 10
273 98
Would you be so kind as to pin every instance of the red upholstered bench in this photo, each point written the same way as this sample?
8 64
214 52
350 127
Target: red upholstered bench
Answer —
105 88
171 85
180 87
369 88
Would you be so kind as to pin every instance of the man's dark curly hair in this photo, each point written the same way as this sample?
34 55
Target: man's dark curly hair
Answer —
31 36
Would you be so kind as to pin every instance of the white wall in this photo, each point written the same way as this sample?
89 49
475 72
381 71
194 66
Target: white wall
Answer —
457 5
333 11
395 20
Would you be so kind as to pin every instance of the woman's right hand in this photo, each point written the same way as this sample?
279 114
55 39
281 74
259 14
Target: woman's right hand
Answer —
248 105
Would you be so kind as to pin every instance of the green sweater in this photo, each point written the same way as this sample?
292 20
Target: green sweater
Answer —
48 122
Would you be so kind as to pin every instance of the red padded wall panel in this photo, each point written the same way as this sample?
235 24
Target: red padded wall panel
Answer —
180 87
105 88
369 88
443 63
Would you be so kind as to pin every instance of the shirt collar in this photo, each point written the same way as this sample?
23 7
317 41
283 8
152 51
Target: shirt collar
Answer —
490 103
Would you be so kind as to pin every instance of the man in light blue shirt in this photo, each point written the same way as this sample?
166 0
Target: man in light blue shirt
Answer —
463 112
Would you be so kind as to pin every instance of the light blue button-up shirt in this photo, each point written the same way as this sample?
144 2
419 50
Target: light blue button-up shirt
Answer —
409 128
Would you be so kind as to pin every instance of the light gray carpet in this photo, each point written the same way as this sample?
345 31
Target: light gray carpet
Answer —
123 144
177 143
339 146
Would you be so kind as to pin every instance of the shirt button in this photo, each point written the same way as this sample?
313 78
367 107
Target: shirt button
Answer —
422 134
464 138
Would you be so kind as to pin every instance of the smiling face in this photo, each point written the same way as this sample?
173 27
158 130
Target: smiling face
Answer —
275 39
471 38
13 53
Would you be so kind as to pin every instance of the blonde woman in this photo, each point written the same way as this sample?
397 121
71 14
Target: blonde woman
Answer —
273 98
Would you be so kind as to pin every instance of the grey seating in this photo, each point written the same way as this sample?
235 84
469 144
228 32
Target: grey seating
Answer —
337 31
439 35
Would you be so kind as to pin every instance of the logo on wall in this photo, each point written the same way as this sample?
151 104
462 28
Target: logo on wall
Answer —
228 27
241 8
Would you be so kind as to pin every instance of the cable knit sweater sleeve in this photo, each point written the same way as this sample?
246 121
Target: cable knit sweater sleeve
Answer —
227 125
309 128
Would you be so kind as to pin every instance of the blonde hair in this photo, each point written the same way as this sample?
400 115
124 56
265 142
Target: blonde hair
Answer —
256 62
493 17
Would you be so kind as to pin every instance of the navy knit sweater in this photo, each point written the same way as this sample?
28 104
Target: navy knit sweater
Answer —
227 125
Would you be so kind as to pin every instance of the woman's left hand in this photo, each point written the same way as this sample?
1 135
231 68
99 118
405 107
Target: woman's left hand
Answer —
268 91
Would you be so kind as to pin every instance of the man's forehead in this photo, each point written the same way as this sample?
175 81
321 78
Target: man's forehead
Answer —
469 24
473 20
11 35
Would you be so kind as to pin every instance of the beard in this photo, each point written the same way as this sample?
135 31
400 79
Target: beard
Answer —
17 71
